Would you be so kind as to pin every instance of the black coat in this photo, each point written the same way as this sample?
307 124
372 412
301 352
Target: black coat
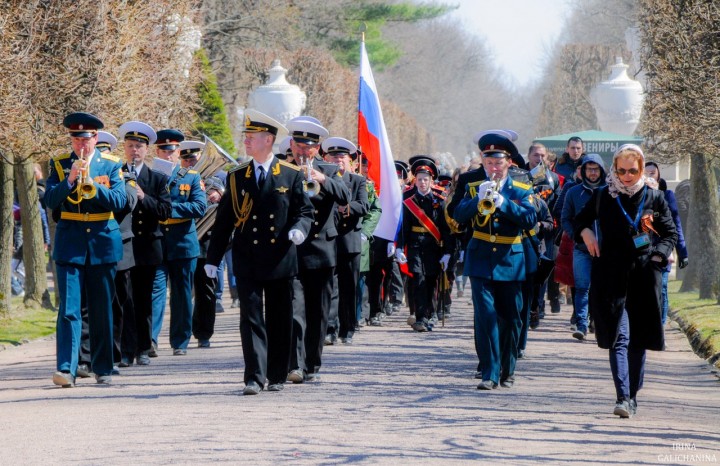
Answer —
624 276
423 251
124 219
154 207
349 225
260 248
319 249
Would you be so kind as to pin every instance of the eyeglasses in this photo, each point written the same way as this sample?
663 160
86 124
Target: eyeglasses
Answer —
592 169
622 171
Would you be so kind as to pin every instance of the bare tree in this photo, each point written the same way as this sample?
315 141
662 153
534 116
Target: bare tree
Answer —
681 56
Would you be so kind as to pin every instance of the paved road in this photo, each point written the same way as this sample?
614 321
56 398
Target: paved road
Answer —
392 397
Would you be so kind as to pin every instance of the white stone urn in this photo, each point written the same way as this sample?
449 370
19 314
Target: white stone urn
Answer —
278 98
618 101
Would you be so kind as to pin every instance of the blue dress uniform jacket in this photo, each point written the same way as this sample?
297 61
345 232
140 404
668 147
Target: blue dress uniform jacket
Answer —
188 203
502 259
98 242
261 248
89 245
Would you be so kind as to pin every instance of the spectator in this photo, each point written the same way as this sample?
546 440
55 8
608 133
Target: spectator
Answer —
652 170
570 160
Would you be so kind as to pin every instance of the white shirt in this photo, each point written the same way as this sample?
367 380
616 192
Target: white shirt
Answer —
265 165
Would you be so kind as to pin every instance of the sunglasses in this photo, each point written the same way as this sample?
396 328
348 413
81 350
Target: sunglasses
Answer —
622 171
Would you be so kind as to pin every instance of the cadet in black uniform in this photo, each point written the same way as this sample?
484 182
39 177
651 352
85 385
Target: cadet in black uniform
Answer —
266 208
427 236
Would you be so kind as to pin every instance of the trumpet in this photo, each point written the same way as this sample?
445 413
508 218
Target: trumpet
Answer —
85 187
310 186
486 206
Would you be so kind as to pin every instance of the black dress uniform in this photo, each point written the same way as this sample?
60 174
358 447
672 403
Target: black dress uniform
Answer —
317 258
427 237
262 214
147 248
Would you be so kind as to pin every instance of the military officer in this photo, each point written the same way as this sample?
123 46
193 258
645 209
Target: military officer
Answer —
265 206
427 236
87 187
500 210
317 256
153 205
349 225
180 242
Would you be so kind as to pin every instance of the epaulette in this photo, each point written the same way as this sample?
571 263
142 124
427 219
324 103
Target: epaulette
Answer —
239 167
110 157
62 156
192 172
520 185
289 165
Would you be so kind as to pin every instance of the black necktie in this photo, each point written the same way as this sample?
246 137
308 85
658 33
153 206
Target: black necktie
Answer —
261 178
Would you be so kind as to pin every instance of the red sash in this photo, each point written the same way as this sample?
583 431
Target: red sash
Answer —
423 218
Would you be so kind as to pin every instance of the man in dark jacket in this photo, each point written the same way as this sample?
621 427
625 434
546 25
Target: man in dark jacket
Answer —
592 173
571 158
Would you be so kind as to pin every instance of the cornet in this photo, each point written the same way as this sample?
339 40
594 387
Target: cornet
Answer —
85 187
486 206
310 186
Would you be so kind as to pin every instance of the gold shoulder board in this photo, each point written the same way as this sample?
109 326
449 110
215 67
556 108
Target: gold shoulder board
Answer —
62 156
192 172
239 167
110 157
289 165
520 185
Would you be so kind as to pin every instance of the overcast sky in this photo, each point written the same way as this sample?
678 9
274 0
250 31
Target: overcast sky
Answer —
518 32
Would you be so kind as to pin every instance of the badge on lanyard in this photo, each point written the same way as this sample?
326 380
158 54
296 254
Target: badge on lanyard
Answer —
641 240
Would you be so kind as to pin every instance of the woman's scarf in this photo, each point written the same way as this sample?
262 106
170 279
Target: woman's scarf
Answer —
616 187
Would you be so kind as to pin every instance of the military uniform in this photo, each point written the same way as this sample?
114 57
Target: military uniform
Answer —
495 263
260 215
89 247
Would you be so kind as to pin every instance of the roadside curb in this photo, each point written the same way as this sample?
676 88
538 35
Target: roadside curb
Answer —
701 346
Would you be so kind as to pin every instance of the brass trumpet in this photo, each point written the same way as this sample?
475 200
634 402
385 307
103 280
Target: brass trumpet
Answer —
310 186
486 206
85 189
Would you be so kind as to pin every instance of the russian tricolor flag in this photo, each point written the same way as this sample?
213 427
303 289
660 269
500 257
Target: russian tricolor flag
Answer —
373 140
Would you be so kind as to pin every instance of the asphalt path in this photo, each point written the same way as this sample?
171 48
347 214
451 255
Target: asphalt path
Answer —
392 397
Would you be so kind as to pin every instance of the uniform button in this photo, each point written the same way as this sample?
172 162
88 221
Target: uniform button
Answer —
317 212
88 230
254 229
494 249
139 211
317 236
272 240
254 217
272 216
272 228
139 222
255 241
344 224
167 229
316 223
139 232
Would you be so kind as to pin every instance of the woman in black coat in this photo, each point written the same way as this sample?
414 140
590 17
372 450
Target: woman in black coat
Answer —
636 237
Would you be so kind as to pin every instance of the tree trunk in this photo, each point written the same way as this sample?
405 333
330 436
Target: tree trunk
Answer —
33 244
704 224
6 231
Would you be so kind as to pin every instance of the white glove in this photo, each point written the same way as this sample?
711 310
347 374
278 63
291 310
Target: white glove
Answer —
210 270
400 256
363 237
444 261
296 236
485 187
462 256
391 249
499 199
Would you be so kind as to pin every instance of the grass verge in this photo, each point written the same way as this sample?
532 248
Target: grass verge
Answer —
26 323
699 319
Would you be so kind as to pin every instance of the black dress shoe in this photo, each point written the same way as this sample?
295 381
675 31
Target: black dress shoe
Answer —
252 388
275 387
487 385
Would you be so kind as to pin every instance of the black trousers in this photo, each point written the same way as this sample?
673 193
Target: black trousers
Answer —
266 339
137 329
424 288
378 282
317 288
348 273
333 326
203 318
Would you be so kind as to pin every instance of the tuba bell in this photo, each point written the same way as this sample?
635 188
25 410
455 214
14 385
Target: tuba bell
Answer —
212 159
